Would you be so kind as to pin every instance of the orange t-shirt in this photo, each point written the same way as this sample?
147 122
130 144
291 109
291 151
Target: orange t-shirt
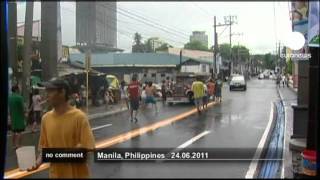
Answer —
69 130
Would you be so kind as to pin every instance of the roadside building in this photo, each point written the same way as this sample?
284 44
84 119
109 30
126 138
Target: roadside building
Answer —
148 66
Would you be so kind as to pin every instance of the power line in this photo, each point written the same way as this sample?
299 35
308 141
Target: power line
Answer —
202 10
123 32
152 25
222 31
154 22
122 13
157 20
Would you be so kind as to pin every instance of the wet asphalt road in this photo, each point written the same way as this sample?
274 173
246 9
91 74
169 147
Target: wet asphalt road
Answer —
238 122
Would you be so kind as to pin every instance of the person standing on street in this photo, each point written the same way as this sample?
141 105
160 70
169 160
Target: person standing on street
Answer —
211 88
218 90
164 92
283 80
64 127
134 97
124 94
205 98
198 93
278 81
36 109
150 92
287 80
17 115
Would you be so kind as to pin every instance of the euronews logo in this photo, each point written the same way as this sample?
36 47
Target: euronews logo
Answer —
295 41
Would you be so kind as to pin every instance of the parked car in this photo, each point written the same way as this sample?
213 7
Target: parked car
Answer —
238 82
261 76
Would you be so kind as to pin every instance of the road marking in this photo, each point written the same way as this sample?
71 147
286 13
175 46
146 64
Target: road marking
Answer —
100 127
16 173
251 173
187 143
192 140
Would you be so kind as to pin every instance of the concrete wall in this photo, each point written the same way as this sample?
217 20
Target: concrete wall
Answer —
196 68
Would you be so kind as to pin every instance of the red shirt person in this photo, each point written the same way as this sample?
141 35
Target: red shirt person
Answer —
134 97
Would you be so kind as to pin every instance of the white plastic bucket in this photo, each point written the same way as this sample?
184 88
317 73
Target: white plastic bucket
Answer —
26 157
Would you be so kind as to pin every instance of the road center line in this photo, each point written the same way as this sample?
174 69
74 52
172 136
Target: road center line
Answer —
16 173
192 140
100 127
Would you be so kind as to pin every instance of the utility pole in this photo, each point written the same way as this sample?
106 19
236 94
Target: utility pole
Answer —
49 39
12 35
229 21
27 51
214 72
88 63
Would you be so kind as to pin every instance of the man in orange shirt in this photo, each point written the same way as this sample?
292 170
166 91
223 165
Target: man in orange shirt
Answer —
64 127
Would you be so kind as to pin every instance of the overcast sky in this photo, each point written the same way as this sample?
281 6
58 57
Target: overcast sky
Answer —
261 23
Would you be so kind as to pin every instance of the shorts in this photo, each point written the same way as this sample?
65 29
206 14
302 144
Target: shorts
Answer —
37 116
150 99
205 99
17 130
134 104
198 101
124 96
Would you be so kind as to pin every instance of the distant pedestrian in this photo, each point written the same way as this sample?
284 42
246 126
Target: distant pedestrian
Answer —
205 98
124 94
83 93
134 97
211 89
64 127
150 93
107 98
17 115
218 90
198 93
164 92
36 109
143 97
171 84
278 81
283 80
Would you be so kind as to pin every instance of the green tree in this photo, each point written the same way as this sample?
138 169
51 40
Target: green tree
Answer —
164 47
240 53
138 45
196 45
288 69
224 50
269 61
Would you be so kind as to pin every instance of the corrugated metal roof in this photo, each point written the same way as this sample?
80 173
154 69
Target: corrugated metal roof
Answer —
148 59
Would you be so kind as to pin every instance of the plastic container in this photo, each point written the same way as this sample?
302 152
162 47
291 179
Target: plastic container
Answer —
309 162
26 157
